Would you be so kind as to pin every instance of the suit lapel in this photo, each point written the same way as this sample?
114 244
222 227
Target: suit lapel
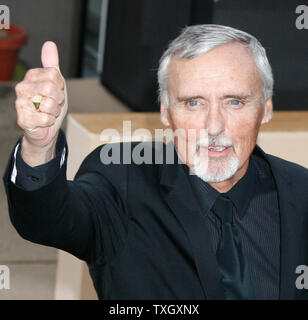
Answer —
293 245
181 200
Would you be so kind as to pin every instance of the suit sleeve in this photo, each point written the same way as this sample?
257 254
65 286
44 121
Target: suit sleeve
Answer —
74 216
31 178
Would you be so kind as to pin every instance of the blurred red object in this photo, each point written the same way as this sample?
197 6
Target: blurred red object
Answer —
11 41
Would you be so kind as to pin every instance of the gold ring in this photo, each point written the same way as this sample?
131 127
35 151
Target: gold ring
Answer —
36 100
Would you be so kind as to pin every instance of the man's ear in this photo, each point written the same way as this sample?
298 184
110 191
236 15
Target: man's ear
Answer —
268 111
164 115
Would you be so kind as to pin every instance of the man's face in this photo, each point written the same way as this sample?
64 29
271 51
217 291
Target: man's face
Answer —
219 95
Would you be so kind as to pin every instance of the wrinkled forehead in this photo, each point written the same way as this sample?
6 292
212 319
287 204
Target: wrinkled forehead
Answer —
228 66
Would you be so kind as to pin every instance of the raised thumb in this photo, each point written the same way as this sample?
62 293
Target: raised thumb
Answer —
49 55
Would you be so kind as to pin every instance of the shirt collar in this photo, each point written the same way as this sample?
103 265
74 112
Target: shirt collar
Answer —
205 194
241 193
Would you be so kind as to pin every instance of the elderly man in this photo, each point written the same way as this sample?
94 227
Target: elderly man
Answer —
224 221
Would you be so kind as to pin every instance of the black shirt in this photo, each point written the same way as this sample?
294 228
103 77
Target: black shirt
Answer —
256 216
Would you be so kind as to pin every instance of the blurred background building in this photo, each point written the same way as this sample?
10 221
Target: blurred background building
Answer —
121 41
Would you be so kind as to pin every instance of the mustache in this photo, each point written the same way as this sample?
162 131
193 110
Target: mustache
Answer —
214 141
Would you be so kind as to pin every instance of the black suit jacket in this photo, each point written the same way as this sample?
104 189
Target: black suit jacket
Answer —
141 230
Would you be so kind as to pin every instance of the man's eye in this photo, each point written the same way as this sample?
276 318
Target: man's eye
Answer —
235 102
192 103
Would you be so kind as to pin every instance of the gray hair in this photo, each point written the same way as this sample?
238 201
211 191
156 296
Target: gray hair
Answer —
199 39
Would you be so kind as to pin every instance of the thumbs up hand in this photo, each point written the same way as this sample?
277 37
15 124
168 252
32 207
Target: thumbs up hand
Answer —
41 127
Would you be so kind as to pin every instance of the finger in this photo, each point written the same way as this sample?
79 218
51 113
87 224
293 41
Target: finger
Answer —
22 104
27 120
47 105
50 106
44 88
43 74
50 55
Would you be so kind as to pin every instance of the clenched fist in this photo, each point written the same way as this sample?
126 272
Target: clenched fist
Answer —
41 128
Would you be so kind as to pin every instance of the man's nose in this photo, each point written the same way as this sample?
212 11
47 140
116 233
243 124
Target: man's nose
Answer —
215 122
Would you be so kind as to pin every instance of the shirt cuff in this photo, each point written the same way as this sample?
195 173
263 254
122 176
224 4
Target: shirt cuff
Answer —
32 178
